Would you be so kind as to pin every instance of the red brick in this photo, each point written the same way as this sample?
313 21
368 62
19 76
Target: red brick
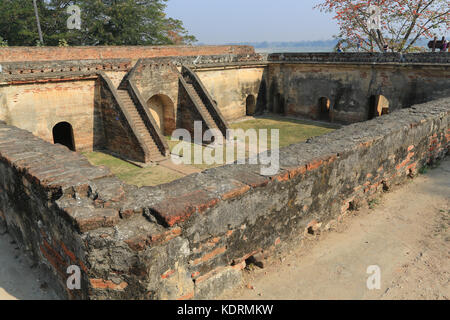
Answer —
101 284
188 296
179 209
14 54
314 165
294 172
236 192
69 253
284 176
168 274
209 255
252 179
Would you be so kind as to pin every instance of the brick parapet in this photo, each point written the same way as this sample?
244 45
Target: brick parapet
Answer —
190 238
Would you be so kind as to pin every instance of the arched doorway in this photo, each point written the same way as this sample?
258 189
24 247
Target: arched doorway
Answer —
250 105
63 134
379 105
161 108
278 104
324 108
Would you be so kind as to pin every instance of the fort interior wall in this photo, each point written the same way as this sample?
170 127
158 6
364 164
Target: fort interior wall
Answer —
191 238
230 87
350 87
38 107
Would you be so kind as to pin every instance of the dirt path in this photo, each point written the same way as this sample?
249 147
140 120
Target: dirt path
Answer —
17 279
406 234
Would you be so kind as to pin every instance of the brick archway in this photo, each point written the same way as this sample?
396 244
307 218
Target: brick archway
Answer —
324 108
162 109
250 104
379 105
63 134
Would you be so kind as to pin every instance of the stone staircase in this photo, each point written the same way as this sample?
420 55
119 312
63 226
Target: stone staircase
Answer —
206 114
138 123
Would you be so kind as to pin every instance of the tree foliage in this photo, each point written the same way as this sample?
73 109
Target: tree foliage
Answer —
103 22
403 22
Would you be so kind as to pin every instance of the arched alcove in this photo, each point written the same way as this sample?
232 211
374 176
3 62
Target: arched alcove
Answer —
250 105
63 134
162 109
379 105
278 104
324 108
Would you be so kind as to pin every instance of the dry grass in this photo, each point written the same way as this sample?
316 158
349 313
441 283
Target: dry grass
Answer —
291 131
132 174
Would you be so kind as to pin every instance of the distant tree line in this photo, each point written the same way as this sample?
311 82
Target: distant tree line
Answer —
103 22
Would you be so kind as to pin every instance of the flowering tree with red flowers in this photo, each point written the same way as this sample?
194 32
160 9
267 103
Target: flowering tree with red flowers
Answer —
403 22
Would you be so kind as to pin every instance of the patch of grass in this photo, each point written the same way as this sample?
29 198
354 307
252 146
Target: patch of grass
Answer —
290 132
424 169
132 174
373 203
172 145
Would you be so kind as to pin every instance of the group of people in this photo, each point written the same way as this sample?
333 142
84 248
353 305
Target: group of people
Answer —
443 45
435 44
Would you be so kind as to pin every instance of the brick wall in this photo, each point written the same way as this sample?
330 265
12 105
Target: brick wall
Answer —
351 86
11 54
120 137
38 107
191 238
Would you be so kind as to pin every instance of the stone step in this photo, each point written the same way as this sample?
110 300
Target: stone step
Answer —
139 124
208 118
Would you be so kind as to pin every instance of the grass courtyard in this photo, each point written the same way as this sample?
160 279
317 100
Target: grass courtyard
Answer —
291 131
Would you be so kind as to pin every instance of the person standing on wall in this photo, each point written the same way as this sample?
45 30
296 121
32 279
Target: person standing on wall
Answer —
433 48
444 45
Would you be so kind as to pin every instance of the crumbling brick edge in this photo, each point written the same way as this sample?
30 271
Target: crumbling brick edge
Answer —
190 239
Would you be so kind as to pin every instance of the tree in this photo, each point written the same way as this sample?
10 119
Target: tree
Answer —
103 22
403 22
36 12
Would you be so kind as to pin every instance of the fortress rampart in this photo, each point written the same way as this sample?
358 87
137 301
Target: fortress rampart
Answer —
190 239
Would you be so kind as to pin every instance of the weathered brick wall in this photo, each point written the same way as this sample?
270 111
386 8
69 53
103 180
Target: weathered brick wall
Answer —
230 88
159 77
296 82
11 54
34 175
39 106
119 136
190 238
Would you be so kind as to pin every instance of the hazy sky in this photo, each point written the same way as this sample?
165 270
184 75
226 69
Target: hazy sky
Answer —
221 21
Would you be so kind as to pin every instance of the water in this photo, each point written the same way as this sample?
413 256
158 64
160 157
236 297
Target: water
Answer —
294 49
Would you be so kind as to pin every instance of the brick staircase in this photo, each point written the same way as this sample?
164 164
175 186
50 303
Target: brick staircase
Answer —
138 123
206 114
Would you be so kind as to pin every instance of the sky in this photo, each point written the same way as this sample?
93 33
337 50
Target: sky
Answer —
234 21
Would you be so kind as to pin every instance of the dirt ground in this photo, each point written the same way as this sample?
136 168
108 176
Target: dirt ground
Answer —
406 234
18 279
